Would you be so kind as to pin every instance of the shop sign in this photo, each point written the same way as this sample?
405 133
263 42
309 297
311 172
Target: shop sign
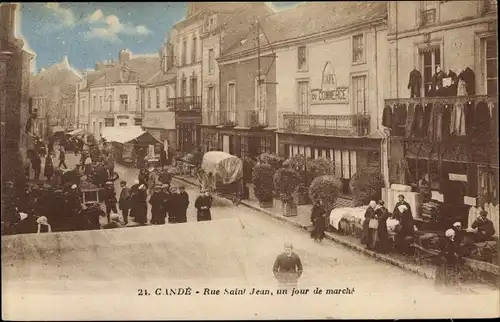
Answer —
470 201
330 92
436 195
457 177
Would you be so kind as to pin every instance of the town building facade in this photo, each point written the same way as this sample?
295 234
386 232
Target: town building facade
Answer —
443 73
112 96
159 98
228 88
329 62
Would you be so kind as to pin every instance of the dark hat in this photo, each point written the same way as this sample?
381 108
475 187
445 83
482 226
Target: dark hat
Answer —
483 213
182 187
401 196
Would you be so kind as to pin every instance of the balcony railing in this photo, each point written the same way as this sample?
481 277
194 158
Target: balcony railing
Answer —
186 103
333 125
255 119
226 118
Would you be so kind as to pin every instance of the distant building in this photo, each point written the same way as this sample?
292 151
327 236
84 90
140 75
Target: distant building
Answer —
111 95
14 98
159 99
53 92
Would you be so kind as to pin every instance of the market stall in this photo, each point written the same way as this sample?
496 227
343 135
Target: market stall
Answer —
129 142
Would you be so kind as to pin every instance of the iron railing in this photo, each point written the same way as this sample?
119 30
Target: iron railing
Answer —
186 103
255 119
332 125
226 118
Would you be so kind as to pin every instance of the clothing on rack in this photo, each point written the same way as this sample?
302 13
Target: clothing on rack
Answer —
418 118
494 117
437 84
482 119
434 128
470 125
452 89
387 117
461 90
457 125
446 122
426 119
414 83
409 120
399 119
470 81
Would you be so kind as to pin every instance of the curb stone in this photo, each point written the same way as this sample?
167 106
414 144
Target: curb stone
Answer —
334 238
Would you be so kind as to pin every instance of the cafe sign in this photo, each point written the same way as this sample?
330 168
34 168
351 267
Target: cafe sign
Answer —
330 92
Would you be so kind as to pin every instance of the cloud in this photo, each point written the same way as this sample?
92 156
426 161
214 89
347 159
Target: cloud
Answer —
111 27
64 14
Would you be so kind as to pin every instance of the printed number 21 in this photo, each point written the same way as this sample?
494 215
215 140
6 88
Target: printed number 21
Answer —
141 292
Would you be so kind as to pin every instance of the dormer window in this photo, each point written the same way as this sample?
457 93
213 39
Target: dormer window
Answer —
124 75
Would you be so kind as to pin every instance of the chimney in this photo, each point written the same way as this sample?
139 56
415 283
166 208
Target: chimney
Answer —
8 16
125 55
98 65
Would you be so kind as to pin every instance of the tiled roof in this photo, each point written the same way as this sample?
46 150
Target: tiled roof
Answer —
141 68
59 76
311 18
161 77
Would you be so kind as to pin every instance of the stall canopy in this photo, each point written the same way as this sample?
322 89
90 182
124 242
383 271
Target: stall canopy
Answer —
57 128
128 134
76 132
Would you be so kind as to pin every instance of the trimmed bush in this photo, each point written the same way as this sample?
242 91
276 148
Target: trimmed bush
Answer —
366 184
320 167
286 182
325 189
263 181
272 159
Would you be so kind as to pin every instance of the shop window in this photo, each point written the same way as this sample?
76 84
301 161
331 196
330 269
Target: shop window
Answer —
123 102
359 92
244 146
123 124
488 186
211 60
303 96
184 87
427 13
430 59
266 145
149 99
358 49
491 66
157 98
231 100
302 58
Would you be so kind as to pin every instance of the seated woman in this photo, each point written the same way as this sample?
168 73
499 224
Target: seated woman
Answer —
484 226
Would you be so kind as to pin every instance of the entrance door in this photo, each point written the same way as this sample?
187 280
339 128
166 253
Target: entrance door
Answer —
253 146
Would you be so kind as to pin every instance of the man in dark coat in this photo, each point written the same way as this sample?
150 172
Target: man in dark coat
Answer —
48 170
133 197
140 204
484 226
166 196
157 203
36 163
382 214
183 204
203 204
124 201
396 214
287 267
369 214
72 206
62 157
110 200
173 205
318 221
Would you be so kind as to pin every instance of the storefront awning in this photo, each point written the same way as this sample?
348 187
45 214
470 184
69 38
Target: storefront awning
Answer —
128 134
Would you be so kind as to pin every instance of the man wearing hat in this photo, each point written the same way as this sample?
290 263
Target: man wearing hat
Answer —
110 199
140 205
183 204
165 194
287 267
401 207
203 204
156 200
72 206
484 226
124 201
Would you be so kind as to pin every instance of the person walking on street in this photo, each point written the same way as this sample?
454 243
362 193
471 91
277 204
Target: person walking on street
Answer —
165 194
287 267
141 213
366 238
48 170
173 205
110 200
124 201
36 163
318 221
203 204
62 157
184 204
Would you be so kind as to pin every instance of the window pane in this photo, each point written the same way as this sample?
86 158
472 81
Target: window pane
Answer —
491 48
491 68
437 56
427 59
492 89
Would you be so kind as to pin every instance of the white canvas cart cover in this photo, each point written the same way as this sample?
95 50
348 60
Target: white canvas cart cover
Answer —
228 167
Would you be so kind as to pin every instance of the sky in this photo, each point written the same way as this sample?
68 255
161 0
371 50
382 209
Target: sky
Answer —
87 32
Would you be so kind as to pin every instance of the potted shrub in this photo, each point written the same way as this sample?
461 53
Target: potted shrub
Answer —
320 167
299 163
263 184
272 159
286 182
366 184
325 189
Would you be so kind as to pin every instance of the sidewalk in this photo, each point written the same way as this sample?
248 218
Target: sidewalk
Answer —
303 221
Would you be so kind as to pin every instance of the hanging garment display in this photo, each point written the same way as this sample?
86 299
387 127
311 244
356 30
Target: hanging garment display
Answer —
418 119
426 119
494 118
482 119
410 119
414 83
469 110
437 83
446 122
457 124
467 75
461 90
387 117
451 88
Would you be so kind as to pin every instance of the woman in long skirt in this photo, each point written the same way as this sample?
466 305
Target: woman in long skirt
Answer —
447 273
318 221
203 204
